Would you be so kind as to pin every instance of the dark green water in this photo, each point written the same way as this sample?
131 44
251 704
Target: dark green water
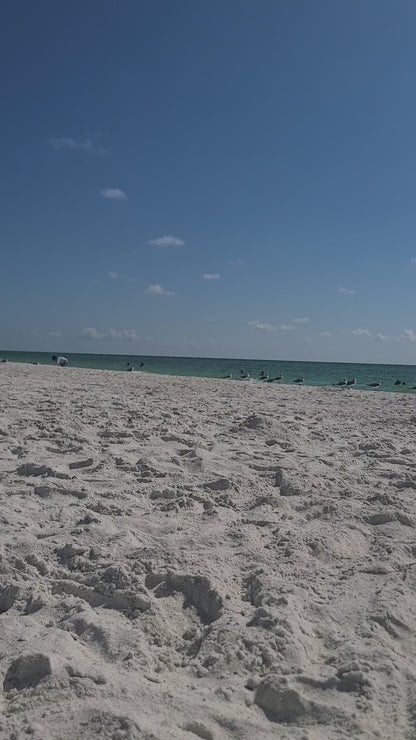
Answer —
315 373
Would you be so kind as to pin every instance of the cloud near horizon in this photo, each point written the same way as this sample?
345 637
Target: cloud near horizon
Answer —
158 290
113 194
362 332
261 326
211 276
92 333
409 335
167 241
347 291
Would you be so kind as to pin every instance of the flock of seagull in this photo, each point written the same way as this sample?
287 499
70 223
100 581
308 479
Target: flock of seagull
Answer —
345 383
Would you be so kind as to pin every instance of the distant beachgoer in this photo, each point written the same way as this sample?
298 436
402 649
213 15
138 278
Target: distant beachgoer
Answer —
60 361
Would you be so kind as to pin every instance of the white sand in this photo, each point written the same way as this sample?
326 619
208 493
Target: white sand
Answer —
185 558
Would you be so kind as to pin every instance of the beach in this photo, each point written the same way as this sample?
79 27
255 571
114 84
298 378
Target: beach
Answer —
196 558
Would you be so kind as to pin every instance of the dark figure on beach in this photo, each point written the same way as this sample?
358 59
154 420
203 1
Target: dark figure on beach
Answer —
352 382
59 360
398 382
374 385
299 380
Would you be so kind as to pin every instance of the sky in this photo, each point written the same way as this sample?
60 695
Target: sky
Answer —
209 178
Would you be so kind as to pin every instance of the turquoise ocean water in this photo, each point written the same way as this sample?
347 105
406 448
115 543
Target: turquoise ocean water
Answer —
315 373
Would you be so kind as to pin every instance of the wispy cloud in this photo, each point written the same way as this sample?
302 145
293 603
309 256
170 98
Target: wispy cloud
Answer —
261 326
93 333
167 241
158 290
113 194
362 332
236 263
382 337
287 327
325 334
346 291
81 145
301 320
409 334
211 276
113 275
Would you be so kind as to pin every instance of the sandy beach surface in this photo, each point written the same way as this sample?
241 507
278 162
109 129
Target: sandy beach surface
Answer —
191 558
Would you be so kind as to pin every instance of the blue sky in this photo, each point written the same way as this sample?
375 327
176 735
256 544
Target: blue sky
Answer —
209 178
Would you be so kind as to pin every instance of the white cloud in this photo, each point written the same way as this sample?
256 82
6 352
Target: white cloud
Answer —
301 320
64 142
167 241
287 327
325 334
158 290
346 291
409 334
261 326
93 333
113 275
362 332
113 194
382 337
56 334
236 263
211 276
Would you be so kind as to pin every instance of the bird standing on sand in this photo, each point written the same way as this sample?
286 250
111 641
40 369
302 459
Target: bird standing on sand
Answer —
263 376
276 377
299 380
352 382
374 385
342 382
244 375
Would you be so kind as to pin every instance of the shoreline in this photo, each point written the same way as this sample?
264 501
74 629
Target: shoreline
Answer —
250 382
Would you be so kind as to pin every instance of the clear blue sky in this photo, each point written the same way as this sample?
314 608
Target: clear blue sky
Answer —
192 177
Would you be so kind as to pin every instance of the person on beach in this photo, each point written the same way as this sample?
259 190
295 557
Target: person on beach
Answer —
59 360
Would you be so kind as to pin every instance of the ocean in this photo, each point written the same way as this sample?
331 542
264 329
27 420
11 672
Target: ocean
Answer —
315 373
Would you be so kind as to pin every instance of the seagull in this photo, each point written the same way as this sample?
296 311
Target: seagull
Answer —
352 382
299 380
244 375
374 385
398 382
413 388
342 382
263 376
228 376
276 377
